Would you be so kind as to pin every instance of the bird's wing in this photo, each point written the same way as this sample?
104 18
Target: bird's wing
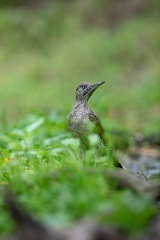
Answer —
100 131
98 127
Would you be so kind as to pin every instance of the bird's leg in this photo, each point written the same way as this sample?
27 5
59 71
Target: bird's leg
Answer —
82 150
82 153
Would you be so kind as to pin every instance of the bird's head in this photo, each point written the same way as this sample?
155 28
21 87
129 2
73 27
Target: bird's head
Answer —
85 90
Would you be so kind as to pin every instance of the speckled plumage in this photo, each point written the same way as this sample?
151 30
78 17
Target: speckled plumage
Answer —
82 121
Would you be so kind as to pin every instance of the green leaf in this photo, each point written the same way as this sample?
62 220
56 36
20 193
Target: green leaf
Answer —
30 128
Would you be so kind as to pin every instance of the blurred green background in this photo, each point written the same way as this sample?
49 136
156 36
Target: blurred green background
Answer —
48 47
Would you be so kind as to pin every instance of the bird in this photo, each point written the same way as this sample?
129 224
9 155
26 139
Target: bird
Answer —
82 121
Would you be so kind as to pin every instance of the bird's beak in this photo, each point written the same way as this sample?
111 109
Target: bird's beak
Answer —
96 85
100 83
93 87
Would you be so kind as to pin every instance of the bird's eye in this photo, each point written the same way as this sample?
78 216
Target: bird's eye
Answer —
83 86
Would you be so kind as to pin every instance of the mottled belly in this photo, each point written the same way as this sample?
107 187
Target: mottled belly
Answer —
81 128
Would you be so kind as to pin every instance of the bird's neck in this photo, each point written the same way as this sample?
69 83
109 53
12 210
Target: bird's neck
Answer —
81 103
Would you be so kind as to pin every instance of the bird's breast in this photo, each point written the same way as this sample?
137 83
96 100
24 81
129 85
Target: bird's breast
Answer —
77 122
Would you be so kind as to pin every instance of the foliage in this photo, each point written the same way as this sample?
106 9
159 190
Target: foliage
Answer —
39 160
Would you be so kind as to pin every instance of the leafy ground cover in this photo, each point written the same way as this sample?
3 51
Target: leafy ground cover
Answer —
40 163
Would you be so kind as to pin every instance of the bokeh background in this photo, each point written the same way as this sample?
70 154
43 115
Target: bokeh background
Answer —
48 47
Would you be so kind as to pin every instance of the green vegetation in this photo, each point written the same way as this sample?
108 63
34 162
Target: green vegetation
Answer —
45 53
39 161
